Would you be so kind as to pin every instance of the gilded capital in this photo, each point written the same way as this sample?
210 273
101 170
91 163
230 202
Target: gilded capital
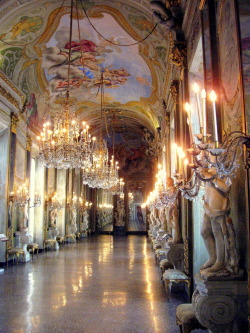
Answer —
174 90
14 122
178 54
172 3
167 119
28 142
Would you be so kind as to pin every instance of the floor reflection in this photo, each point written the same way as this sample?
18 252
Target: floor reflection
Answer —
100 284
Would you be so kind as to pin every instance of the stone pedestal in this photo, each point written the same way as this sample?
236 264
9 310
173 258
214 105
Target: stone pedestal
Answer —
155 230
23 238
221 306
52 233
175 254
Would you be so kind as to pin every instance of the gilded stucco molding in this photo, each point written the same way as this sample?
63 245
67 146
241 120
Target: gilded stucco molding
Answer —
9 97
2 77
15 120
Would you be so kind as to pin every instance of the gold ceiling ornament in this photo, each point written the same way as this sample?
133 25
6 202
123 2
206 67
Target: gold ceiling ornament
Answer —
15 120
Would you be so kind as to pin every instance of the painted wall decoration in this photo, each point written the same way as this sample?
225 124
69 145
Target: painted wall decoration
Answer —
24 26
126 75
9 58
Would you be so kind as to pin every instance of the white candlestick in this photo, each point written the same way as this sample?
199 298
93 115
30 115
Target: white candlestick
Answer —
174 146
196 90
188 109
213 99
203 96
185 168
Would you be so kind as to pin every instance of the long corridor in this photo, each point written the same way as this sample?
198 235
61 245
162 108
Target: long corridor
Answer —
102 284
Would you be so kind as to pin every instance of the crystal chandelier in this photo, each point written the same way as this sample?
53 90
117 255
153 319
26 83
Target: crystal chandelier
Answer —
63 144
100 172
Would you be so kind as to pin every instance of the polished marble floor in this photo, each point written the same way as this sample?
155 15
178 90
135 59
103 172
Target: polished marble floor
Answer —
100 284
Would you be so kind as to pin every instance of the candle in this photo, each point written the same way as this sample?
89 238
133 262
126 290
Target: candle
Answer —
181 166
203 96
185 169
196 90
188 109
213 99
174 147
179 150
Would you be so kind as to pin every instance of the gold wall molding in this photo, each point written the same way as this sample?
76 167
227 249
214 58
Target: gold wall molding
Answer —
15 120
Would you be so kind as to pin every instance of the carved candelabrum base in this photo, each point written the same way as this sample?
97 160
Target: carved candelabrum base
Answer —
23 238
221 306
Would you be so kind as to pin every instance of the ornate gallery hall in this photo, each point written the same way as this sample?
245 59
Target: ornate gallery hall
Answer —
124 166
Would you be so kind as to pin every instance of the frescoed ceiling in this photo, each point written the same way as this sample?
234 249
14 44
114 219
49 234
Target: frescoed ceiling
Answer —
35 57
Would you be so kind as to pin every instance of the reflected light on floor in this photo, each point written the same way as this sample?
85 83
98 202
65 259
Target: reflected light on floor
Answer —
149 288
32 323
107 250
131 255
88 271
61 301
35 321
114 299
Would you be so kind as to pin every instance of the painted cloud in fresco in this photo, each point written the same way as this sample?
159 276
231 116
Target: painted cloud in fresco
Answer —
126 75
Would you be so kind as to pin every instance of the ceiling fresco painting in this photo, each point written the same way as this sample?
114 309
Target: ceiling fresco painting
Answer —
36 55
126 75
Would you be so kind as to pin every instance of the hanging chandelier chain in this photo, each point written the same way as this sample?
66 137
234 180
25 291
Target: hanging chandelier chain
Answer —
70 41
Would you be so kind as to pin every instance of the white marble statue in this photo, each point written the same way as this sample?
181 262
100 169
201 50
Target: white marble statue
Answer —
53 217
217 228
119 214
85 224
174 222
24 218
73 225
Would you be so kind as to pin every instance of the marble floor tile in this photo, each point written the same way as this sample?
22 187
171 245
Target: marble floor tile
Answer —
100 284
